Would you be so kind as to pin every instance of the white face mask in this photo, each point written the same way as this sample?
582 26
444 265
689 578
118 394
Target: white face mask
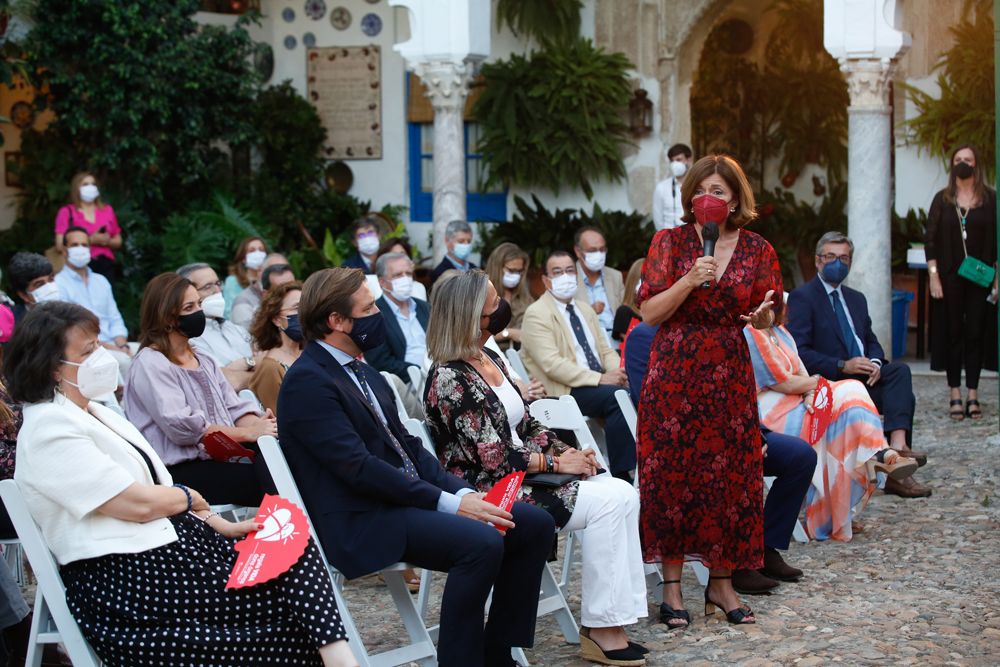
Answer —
594 260
368 245
462 250
97 375
511 280
678 169
255 259
78 256
402 288
89 193
564 286
214 306
47 292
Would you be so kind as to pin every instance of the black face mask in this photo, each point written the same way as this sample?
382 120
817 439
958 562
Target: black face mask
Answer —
192 325
368 332
963 170
499 318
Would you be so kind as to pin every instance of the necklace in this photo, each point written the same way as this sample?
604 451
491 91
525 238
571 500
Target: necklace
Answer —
962 215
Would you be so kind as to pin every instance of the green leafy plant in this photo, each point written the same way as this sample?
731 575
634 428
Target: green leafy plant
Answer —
539 231
963 110
556 117
555 20
208 235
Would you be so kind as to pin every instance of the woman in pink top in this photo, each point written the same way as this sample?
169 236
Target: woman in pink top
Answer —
86 210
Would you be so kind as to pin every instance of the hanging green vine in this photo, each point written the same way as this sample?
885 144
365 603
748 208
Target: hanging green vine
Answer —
554 20
555 118
963 111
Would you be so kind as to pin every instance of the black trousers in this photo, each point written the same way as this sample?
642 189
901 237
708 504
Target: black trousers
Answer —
792 462
893 396
477 558
225 483
600 402
966 309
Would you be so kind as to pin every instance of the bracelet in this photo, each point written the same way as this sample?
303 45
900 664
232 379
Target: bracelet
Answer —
205 520
549 463
555 460
186 493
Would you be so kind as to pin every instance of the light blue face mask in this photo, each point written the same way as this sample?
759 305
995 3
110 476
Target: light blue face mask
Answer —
835 272
462 250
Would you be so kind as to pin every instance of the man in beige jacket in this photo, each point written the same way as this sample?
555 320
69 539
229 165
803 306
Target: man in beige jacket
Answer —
599 285
564 347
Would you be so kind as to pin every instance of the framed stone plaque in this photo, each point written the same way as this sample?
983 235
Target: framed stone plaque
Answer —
345 86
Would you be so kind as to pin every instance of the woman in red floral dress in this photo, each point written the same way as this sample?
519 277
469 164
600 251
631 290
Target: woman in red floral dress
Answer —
700 444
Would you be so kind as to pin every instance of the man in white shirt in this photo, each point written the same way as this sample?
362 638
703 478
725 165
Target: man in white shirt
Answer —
564 348
599 285
227 343
667 205
80 285
405 326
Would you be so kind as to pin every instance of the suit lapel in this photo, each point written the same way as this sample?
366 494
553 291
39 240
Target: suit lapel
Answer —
564 342
339 375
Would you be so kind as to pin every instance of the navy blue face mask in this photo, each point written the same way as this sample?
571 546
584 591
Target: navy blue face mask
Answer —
368 332
835 272
294 328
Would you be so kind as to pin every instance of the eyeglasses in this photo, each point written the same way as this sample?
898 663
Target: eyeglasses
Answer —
204 288
829 257
555 273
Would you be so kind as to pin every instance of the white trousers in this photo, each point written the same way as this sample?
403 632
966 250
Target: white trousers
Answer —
613 580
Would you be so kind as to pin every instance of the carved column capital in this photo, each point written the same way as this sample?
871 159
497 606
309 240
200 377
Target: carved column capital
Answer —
868 83
446 82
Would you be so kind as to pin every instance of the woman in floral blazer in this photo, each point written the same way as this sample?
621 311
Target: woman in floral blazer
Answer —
483 431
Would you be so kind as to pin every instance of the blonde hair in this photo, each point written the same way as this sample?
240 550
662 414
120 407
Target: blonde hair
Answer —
502 254
74 189
631 280
732 173
453 328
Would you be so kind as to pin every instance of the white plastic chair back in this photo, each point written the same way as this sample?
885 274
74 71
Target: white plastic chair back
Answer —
248 395
373 285
563 413
515 361
418 429
421 648
417 381
419 291
52 622
400 407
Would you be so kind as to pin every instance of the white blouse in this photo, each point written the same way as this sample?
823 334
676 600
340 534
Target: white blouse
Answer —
513 405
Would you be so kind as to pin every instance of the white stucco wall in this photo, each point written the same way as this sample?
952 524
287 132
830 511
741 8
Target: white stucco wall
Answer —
918 175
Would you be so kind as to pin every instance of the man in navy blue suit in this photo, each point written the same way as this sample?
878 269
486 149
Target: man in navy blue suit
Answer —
405 318
365 237
833 331
377 497
790 460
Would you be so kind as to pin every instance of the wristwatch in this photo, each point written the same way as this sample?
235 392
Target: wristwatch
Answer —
505 333
931 269
840 365
250 362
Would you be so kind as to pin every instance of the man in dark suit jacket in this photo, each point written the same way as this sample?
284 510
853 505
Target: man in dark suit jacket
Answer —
405 318
364 237
458 240
833 331
377 497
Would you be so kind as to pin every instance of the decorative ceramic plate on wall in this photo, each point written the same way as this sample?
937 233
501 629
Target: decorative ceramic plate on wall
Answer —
371 25
288 14
371 2
315 9
290 42
340 18
309 40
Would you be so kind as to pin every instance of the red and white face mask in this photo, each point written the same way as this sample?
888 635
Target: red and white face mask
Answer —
709 208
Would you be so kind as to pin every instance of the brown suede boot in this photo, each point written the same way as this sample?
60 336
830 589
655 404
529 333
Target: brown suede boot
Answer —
776 567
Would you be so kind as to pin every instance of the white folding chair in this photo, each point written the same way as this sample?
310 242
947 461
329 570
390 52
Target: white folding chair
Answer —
421 647
373 285
52 622
14 555
248 395
418 378
551 601
514 357
400 408
419 291
799 532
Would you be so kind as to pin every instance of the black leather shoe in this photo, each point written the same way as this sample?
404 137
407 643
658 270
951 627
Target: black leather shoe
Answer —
752 582
775 567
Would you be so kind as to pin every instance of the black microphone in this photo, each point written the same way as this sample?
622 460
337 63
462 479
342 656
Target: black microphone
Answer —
709 234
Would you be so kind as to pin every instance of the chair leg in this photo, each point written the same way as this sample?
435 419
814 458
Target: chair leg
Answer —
567 565
410 615
518 654
553 601
799 533
353 636
700 571
654 581
40 617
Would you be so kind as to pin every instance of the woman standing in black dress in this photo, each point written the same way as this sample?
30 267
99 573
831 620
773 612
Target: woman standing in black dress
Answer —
962 221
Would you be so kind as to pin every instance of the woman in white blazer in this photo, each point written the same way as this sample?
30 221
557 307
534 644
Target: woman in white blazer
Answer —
144 561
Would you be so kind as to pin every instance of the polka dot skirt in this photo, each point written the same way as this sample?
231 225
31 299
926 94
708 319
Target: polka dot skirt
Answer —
169 606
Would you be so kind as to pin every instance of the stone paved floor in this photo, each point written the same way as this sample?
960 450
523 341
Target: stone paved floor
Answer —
918 587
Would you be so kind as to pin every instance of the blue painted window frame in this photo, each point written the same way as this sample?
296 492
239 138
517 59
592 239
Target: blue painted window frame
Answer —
480 207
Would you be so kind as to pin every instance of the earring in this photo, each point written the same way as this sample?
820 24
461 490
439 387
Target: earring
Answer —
732 210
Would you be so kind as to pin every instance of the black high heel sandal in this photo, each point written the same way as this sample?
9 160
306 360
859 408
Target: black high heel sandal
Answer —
957 415
668 613
969 412
742 615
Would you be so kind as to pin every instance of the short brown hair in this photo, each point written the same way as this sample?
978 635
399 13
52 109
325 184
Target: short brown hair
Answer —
324 293
265 335
161 306
732 173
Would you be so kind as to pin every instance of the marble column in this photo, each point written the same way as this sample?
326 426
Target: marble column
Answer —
447 86
869 188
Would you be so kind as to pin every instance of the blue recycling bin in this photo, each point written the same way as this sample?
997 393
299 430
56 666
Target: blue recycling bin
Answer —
900 321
